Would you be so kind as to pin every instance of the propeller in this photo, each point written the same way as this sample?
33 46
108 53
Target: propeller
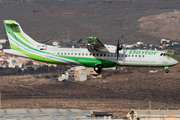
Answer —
118 48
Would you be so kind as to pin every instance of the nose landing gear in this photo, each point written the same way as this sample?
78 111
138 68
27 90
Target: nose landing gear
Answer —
166 69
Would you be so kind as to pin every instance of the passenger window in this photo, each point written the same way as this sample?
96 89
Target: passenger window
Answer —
132 55
111 55
68 53
61 53
79 53
114 55
97 54
135 55
100 54
125 55
122 55
75 53
82 54
104 55
86 54
93 54
71 53
142 55
139 55
107 55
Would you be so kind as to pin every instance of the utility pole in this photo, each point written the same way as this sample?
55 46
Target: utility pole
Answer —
67 33
149 105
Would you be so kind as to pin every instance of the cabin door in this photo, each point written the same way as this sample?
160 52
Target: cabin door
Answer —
48 56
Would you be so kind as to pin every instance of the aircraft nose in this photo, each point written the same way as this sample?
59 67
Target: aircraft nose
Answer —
174 62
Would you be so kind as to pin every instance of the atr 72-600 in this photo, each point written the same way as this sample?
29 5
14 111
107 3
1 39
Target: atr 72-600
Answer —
96 54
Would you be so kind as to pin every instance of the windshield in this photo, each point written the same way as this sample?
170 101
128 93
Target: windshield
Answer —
164 54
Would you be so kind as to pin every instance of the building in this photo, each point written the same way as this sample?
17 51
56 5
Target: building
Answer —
175 43
153 114
110 68
139 43
164 41
128 46
80 73
56 44
64 76
54 114
92 74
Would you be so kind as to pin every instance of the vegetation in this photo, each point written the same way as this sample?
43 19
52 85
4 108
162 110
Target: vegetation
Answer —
31 70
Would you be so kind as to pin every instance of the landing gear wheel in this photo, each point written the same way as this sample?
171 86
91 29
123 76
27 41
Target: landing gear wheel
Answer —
166 71
98 68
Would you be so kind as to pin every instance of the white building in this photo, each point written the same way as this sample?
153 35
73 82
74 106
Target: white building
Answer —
111 68
128 46
139 43
164 40
2 41
56 44
153 115
80 73
64 76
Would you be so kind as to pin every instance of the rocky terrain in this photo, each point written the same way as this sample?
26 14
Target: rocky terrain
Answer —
165 25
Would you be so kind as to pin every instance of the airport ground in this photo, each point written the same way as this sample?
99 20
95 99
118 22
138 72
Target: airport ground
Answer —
117 93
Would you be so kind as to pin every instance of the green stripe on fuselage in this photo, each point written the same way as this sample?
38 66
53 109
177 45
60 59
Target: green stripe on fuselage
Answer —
170 57
37 57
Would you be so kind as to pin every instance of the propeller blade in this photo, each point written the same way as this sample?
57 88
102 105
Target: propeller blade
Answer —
117 49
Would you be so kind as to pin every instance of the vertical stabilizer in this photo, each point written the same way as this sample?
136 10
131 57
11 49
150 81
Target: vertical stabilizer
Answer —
16 36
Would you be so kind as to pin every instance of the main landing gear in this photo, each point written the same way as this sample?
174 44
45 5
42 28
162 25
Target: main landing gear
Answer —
166 69
98 68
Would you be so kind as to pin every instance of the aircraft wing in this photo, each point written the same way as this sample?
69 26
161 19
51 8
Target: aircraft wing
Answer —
95 45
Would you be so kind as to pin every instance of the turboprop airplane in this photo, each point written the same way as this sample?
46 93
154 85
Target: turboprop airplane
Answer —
96 54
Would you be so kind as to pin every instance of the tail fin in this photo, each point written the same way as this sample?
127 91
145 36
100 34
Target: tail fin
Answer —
16 35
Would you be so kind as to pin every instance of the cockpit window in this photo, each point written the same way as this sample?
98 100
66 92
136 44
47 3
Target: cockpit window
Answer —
164 54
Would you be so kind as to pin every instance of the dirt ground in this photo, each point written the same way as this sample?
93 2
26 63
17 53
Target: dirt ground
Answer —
117 93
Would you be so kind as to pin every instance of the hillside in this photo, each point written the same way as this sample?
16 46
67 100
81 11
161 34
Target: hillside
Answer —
165 25
104 19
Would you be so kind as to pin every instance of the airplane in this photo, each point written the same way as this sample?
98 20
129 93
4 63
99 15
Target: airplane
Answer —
96 54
